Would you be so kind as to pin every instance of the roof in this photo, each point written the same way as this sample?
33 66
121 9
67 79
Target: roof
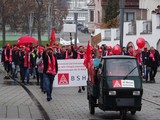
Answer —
118 56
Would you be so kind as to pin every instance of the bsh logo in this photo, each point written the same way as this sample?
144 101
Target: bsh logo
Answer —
63 79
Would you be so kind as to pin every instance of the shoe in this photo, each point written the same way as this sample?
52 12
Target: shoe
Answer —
83 88
49 99
79 91
6 77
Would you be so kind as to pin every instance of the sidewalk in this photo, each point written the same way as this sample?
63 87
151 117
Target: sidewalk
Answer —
67 103
15 103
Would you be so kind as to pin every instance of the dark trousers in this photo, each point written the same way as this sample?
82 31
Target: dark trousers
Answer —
37 75
21 71
7 66
153 73
42 85
48 79
25 74
145 71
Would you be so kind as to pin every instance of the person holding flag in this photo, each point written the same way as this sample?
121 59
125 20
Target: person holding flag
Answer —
88 62
52 37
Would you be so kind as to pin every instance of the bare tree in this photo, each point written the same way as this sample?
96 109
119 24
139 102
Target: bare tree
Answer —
4 15
15 13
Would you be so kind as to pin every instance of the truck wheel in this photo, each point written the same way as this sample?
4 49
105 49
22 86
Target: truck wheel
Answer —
133 112
91 108
123 114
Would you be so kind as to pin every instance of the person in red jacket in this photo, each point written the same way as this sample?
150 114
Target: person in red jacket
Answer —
7 59
50 70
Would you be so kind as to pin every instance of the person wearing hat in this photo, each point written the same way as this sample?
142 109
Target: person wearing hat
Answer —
26 64
145 62
153 63
50 70
80 55
21 62
129 50
62 53
7 59
40 67
15 60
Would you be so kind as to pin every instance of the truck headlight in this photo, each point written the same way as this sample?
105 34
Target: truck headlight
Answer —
136 93
112 92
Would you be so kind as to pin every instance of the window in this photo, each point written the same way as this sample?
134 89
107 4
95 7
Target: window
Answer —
129 16
121 67
91 16
147 27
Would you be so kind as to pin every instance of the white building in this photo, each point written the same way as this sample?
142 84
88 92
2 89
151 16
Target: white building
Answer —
80 7
143 29
149 5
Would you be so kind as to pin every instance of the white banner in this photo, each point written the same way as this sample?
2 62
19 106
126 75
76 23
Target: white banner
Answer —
65 42
71 72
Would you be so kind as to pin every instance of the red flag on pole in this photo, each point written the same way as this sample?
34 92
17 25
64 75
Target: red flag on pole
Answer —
88 61
52 37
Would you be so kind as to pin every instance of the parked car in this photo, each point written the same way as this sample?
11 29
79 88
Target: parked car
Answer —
79 26
84 30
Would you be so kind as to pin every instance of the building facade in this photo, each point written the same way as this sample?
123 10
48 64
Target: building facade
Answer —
80 7
151 35
149 6
97 10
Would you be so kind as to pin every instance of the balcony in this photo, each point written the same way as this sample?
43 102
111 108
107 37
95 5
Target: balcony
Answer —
107 35
131 29
117 35
132 4
147 27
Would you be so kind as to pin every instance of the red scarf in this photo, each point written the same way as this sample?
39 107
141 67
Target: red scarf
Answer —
71 56
152 55
79 55
10 55
51 65
110 53
27 60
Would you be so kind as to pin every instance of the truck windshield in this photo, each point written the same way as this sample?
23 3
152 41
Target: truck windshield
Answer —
121 67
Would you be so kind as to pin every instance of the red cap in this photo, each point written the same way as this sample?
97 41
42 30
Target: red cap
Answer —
109 47
15 47
27 49
8 45
100 50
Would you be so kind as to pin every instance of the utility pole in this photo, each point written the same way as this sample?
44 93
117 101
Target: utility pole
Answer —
121 6
30 23
75 19
49 19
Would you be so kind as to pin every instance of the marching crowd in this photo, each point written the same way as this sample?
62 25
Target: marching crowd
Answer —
40 62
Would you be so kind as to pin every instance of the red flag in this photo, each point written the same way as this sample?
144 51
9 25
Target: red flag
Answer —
52 37
88 61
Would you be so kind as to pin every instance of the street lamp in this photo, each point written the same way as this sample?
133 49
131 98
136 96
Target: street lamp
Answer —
75 19
121 6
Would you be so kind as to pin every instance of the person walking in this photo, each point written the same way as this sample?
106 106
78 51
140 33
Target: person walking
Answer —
50 70
153 63
7 59
26 65
145 62
80 55
40 68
